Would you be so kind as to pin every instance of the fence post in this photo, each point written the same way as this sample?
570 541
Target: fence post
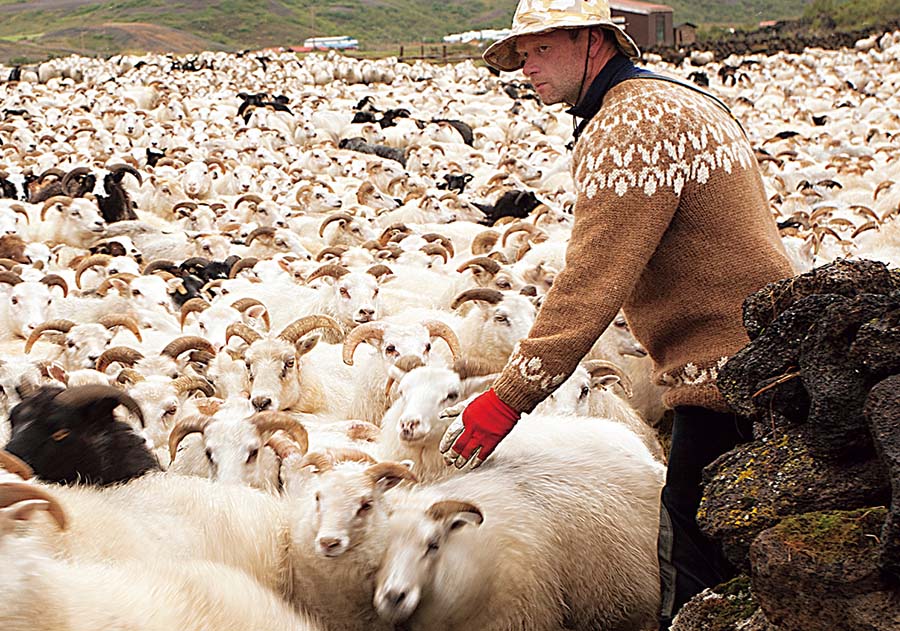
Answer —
401 52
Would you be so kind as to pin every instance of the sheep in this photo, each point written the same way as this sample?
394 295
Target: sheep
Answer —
27 303
82 344
43 592
491 330
64 220
459 553
71 435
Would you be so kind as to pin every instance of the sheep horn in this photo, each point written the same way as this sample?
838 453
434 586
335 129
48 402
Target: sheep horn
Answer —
89 262
600 367
884 185
484 242
10 278
11 265
187 342
15 492
381 470
189 384
56 280
190 425
361 333
332 218
336 251
194 305
249 197
491 296
14 465
433 249
489 265
78 396
272 421
59 173
129 376
180 205
431 237
318 460
71 175
869 225
262 231
380 270
116 169
349 454
241 265
392 230
443 331
159 264
331 269
121 319
20 209
107 282
469 367
439 511
300 327
122 354
283 446
523 226
245 303
50 325
242 331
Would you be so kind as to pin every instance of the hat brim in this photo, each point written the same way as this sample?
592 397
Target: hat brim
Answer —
502 54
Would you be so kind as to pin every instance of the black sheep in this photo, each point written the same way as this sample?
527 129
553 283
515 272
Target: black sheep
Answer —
71 435
511 204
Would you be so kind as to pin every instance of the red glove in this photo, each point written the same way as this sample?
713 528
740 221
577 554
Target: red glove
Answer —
485 422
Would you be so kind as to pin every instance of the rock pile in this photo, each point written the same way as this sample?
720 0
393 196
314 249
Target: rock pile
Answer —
801 508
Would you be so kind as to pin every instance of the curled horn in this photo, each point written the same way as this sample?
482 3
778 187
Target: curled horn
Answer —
50 325
14 465
349 454
869 225
56 280
59 173
884 185
489 265
336 251
523 226
185 204
241 265
122 354
300 327
249 197
13 492
439 511
262 231
56 199
242 331
358 335
107 282
245 303
188 384
492 296
318 460
469 367
20 209
361 430
71 175
121 319
332 218
194 305
484 242
195 424
391 231
157 265
10 278
116 169
272 421
382 470
129 376
436 249
431 237
331 269
187 342
600 367
283 446
11 265
79 396
380 270
443 331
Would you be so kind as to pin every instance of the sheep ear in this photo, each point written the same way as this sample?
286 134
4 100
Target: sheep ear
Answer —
455 514
387 475
56 371
306 344
606 381
175 285
22 511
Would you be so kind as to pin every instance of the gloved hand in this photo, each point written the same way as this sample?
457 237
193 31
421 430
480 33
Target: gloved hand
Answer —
474 436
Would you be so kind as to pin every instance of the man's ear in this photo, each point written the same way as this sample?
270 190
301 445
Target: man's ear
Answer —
598 38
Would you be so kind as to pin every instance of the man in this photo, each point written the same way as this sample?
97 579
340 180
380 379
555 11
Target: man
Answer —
671 225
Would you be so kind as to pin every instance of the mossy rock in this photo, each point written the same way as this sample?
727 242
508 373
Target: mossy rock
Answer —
725 607
758 484
819 571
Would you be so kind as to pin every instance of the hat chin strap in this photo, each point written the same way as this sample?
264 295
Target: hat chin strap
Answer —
587 55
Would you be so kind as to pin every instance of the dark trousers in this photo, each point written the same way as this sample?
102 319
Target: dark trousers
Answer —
689 561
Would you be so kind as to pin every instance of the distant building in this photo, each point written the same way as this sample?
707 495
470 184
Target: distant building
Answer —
340 42
648 24
488 34
685 34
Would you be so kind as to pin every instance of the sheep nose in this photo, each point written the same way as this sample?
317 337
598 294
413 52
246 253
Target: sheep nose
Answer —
395 597
366 315
331 546
261 403
408 428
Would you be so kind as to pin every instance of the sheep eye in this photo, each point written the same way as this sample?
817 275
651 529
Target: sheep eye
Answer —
60 434
452 396
202 327
365 507
252 455
344 293
209 456
135 292
584 392
433 546
390 349
14 300
289 363
76 213
502 284
428 347
501 318
318 498
375 293
70 344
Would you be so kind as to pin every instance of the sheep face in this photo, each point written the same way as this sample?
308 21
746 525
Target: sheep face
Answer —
423 394
423 551
28 305
196 181
274 372
77 222
83 344
348 506
160 405
356 298
234 451
151 293
572 397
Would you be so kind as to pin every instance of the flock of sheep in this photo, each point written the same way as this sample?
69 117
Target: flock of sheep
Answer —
243 295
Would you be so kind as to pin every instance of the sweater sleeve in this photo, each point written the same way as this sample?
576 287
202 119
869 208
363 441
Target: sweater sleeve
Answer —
628 191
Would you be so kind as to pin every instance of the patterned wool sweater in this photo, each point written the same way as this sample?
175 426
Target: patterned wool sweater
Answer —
672 225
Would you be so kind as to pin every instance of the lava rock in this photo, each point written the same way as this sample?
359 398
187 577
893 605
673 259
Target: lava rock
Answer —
819 572
842 277
725 607
877 345
756 485
883 413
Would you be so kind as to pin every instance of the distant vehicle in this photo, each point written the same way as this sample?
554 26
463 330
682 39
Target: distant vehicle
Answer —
340 42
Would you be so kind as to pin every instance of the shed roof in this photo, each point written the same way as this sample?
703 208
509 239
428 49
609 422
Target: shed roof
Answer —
643 8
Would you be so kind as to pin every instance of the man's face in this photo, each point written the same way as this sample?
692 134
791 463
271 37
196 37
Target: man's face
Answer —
554 64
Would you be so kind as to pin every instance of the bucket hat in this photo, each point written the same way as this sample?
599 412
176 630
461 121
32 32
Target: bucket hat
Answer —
540 16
